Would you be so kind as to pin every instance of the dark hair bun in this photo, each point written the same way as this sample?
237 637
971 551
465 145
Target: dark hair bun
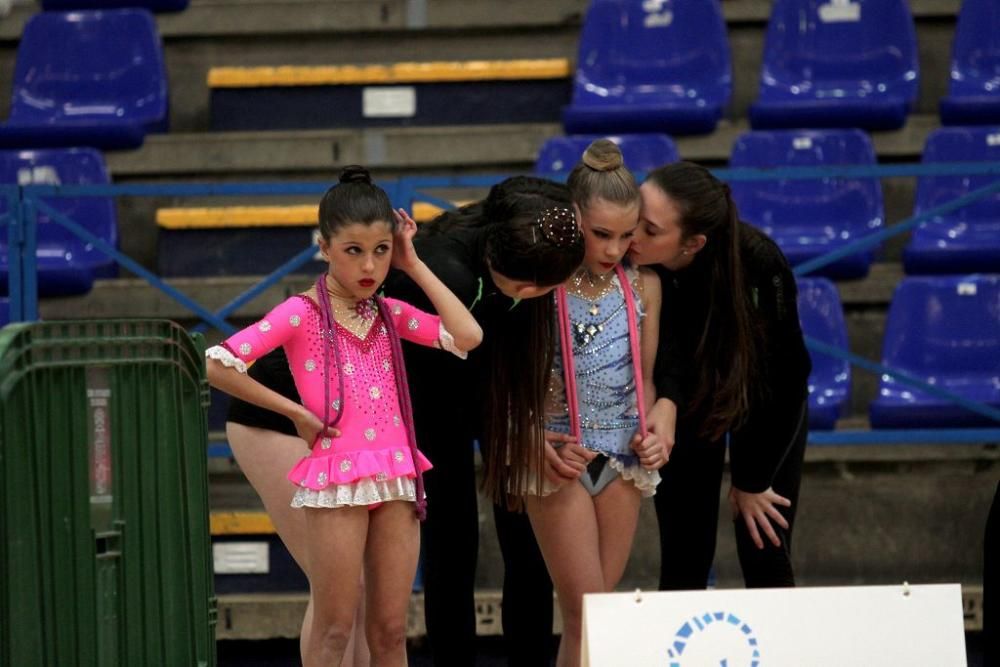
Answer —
355 173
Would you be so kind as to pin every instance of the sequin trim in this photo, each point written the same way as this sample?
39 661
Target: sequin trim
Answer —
295 320
369 434
310 365
447 342
227 358
412 324
264 326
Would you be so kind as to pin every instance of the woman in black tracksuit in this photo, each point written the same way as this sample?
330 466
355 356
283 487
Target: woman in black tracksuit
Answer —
731 361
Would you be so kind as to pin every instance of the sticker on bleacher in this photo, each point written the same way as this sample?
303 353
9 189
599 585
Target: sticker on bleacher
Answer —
389 102
656 15
993 139
840 11
966 289
241 558
802 143
42 175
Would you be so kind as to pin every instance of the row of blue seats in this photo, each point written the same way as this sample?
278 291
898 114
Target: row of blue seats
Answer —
665 66
944 330
97 78
808 218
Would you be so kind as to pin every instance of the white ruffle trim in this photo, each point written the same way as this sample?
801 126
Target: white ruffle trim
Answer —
644 480
228 359
448 342
365 491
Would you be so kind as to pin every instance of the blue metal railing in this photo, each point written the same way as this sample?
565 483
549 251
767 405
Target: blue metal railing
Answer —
25 202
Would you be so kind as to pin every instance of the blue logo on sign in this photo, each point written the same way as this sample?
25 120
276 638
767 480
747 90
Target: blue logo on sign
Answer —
710 622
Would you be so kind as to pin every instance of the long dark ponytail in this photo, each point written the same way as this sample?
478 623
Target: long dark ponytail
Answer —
727 353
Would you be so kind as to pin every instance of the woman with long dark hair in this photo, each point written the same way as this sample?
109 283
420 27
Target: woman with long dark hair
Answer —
731 361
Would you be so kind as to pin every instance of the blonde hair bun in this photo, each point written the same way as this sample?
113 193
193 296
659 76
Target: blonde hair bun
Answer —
603 155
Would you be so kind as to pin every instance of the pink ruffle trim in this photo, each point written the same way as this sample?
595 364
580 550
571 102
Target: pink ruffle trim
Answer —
320 471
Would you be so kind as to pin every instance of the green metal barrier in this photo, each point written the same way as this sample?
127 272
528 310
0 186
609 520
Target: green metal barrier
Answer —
104 542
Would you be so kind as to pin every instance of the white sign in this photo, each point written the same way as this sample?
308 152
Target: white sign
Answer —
241 558
784 627
840 11
389 102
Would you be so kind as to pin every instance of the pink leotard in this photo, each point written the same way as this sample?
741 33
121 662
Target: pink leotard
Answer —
371 461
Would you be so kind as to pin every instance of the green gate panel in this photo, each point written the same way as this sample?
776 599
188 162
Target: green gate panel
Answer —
105 557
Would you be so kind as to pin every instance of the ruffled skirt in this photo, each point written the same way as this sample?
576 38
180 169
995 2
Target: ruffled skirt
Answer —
357 478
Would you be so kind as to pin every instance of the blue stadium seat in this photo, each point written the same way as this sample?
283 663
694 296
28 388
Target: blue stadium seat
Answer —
822 318
946 330
837 63
966 240
66 263
808 218
642 152
4 311
151 5
974 90
650 66
87 79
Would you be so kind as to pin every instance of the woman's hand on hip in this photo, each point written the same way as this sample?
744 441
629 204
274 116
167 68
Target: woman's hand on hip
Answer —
758 510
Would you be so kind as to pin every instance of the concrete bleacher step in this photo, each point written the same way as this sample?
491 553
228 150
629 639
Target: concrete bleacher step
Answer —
279 615
134 297
456 148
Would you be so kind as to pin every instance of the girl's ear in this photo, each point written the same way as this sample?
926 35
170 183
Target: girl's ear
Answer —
694 244
579 216
324 248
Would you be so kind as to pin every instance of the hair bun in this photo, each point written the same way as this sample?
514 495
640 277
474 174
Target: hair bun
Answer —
603 155
355 173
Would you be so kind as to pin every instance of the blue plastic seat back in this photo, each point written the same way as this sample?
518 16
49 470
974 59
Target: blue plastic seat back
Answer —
637 50
66 263
975 53
945 330
960 144
967 239
90 66
812 216
827 57
4 311
822 317
642 152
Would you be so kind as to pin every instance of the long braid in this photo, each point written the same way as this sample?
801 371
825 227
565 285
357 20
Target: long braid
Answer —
329 340
403 391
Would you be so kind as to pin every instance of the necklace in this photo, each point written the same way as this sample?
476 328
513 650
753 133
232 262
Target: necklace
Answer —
357 316
585 332
602 283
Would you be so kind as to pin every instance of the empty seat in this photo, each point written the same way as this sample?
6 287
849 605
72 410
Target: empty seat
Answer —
66 263
808 218
151 5
822 318
974 89
651 66
966 240
946 331
837 63
4 311
642 152
94 78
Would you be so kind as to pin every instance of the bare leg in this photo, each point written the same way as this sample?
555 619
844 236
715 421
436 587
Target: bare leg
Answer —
617 519
265 457
390 565
565 524
586 543
336 546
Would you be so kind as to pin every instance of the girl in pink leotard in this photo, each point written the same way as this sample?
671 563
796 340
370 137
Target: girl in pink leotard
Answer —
343 349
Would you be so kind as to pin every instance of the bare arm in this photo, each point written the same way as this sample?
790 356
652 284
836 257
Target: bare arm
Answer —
455 317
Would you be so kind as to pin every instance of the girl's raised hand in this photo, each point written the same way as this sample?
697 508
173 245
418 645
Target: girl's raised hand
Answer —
404 255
